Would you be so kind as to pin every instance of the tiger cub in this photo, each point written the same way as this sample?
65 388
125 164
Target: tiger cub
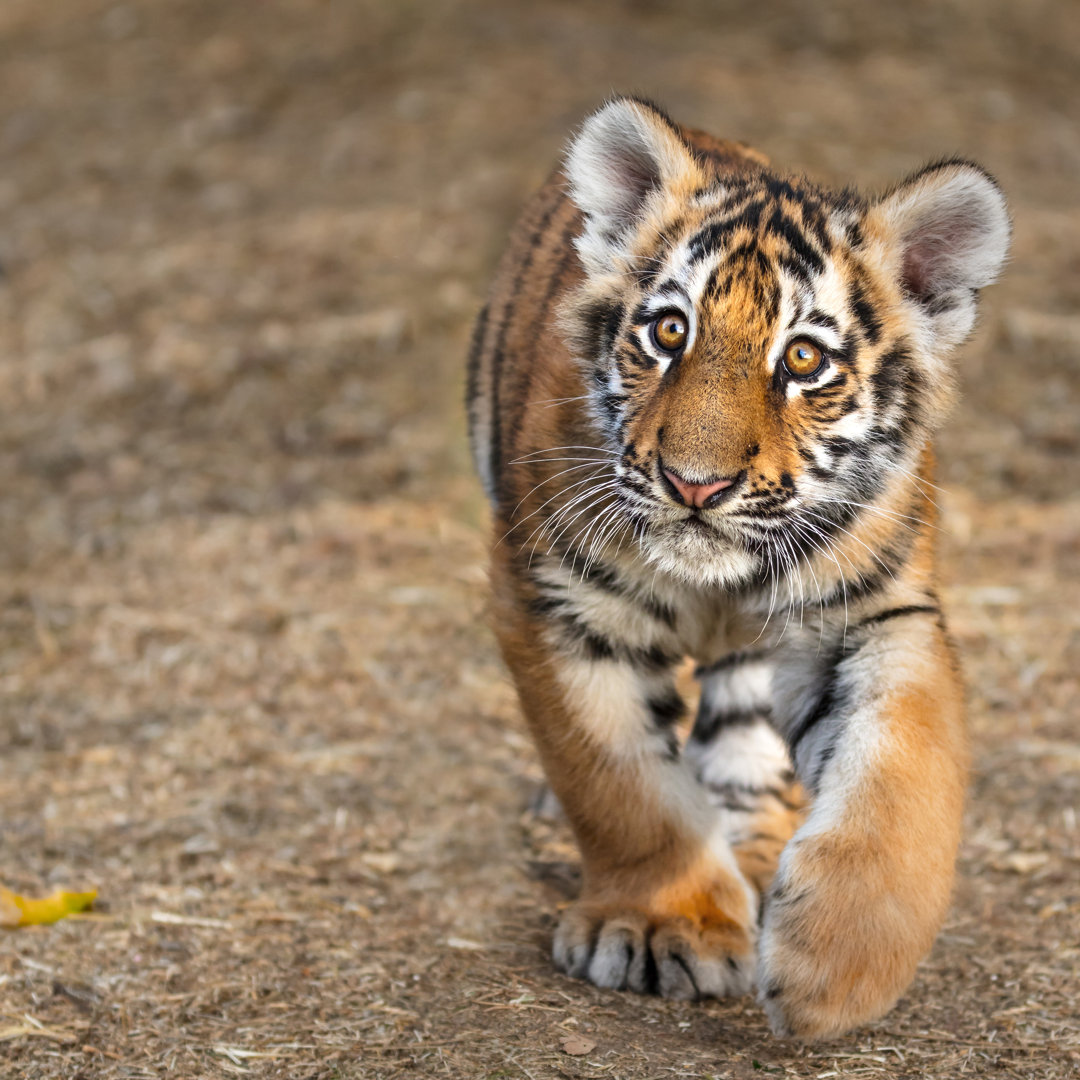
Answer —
701 400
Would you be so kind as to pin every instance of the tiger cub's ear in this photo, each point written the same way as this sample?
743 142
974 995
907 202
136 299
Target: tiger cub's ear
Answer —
626 154
951 227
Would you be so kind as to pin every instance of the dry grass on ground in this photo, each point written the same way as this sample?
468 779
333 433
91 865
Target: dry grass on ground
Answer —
247 691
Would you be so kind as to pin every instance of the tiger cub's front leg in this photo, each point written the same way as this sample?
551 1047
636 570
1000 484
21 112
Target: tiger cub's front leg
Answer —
664 907
863 886
741 760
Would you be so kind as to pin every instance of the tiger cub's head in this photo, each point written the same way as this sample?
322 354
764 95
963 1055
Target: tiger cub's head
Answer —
765 356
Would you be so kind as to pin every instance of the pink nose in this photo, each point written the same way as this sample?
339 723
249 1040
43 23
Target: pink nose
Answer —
696 494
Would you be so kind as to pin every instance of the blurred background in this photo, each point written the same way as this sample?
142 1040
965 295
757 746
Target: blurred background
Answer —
246 682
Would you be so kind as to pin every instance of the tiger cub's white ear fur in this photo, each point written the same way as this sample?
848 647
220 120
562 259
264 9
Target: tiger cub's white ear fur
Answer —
952 228
626 152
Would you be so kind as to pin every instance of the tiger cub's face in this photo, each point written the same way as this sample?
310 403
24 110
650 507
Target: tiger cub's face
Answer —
767 358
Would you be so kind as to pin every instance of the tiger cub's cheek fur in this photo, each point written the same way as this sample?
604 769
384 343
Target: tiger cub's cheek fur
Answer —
701 399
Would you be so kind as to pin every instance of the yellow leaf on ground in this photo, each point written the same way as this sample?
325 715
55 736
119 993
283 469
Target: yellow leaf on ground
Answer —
17 910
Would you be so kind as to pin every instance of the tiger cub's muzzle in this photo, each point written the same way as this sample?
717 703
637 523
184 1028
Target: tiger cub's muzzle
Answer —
705 494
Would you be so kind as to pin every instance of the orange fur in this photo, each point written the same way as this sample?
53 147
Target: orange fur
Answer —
806 583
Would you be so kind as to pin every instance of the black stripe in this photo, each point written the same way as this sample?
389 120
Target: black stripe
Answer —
890 559
732 660
667 709
712 237
611 406
472 377
596 646
813 220
862 588
825 755
899 613
838 445
719 284
631 353
781 225
672 750
473 367
891 382
821 318
540 323
709 723
830 702
500 343
610 330
603 577
865 313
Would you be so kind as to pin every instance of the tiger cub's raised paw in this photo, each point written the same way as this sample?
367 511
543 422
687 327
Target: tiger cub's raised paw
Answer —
842 935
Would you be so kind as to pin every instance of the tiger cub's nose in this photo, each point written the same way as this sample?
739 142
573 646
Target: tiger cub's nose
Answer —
700 496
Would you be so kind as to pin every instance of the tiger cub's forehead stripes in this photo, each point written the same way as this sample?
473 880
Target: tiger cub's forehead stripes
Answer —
752 240
772 251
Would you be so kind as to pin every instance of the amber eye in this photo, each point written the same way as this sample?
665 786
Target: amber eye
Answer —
669 331
803 358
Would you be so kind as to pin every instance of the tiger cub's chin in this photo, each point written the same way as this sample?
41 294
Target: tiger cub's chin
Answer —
702 400
698 554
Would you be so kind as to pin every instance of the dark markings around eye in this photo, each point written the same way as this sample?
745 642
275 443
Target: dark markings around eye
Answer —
823 319
610 328
632 353
667 286
828 396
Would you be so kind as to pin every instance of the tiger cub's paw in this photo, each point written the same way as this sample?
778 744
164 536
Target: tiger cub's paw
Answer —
670 954
837 947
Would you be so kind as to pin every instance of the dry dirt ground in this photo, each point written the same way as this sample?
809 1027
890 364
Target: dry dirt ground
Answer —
246 687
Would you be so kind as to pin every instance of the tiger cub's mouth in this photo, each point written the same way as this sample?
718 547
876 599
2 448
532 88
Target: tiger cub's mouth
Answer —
694 520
